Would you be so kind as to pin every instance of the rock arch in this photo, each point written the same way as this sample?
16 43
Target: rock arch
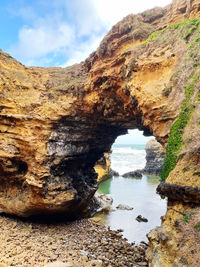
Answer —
59 121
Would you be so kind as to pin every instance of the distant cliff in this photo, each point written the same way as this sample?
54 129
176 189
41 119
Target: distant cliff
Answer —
155 155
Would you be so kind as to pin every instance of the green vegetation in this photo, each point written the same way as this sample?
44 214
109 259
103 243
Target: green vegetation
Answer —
190 25
185 169
196 173
175 139
185 30
196 40
186 217
154 36
198 99
197 226
190 31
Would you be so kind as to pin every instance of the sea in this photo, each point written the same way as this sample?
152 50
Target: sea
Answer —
139 194
126 158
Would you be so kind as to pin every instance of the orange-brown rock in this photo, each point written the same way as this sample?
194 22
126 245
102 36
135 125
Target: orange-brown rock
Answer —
56 123
103 167
177 241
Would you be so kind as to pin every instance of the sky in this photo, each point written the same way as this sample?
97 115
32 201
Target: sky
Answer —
135 137
61 32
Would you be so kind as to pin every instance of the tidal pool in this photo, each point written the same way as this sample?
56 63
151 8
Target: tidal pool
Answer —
139 194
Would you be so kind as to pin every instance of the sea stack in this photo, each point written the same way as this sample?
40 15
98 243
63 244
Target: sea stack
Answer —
155 154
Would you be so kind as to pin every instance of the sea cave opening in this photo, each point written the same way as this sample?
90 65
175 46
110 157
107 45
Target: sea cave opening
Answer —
135 207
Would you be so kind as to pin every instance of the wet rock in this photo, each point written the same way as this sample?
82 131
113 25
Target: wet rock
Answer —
104 202
134 174
139 218
114 173
124 207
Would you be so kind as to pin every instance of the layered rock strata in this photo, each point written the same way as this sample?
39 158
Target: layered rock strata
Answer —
56 123
155 154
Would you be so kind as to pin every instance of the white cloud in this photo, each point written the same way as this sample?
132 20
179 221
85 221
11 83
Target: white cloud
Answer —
112 11
70 30
39 41
104 13
85 17
82 51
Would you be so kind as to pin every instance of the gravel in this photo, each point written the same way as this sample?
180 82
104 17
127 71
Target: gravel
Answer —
80 243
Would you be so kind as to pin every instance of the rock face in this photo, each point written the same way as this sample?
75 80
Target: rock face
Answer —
155 155
56 123
103 168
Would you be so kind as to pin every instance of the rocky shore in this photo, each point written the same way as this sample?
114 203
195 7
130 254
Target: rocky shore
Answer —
64 244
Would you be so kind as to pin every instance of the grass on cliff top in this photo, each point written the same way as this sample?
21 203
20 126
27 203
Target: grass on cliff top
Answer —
175 139
184 30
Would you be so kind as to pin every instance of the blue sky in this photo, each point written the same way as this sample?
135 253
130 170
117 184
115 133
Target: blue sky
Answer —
61 32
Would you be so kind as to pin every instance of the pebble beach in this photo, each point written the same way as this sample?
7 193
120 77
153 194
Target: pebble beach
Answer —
25 243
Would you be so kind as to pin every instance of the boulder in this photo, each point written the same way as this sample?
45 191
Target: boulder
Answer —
104 202
124 207
139 218
134 174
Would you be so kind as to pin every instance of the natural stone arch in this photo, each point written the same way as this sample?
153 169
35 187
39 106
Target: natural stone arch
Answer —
57 122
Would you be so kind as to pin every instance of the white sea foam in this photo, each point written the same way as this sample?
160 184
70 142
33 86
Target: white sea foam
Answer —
127 150
127 158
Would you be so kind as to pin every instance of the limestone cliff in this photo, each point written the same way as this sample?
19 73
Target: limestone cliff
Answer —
155 154
56 123
103 168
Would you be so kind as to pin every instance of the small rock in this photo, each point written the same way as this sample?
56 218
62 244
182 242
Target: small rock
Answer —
142 263
139 218
134 174
58 264
83 252
95 219
124 207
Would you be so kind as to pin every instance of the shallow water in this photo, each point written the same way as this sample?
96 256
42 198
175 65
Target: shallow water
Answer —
139 194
